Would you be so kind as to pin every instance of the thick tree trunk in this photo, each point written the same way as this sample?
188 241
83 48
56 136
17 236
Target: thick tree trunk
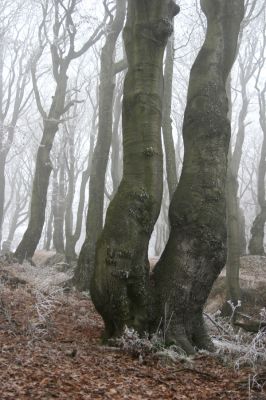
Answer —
167 121
94 223
196 249
120 280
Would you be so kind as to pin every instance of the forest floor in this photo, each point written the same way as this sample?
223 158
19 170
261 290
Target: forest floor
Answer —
51 349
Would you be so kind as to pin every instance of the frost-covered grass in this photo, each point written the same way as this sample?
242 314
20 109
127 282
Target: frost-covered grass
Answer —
238 347
45 304
42 278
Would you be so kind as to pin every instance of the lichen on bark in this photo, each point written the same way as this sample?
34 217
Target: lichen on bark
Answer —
196 250
120 284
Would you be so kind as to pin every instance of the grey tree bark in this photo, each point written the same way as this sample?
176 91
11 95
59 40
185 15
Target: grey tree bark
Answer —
256 244
196 249
10 111
94 224
59 205
61 59
120 280
167 121
234 221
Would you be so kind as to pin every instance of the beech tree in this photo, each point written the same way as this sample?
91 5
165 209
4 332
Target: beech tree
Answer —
119 284
14 82
94 224
196 250
63 52
256 244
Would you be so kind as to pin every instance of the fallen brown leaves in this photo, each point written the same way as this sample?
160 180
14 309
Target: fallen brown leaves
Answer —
68 362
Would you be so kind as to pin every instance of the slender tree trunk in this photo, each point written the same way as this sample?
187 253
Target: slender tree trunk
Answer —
196 249
233 239
234 222
16 221
43 170
69 251
72 239
62 53
256 244
120 280
2 150
116 165
31 238
49 231
2 190
94 223
59 213
167 121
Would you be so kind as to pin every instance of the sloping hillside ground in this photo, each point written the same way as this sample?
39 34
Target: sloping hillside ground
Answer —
50 348
253 286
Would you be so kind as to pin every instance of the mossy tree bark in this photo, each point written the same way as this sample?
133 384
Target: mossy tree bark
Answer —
256 244
94 224
196 249
120 280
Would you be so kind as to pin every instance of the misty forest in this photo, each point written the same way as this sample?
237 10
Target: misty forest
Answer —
132 199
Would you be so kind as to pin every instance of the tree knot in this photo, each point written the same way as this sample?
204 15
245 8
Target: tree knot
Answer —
163 29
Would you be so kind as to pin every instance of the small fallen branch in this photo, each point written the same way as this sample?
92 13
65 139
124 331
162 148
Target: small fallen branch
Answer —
215 323
248 323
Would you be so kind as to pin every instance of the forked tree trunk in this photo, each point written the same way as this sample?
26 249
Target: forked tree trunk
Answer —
196 249
120 280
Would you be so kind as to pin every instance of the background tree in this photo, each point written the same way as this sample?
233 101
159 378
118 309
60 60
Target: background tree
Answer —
14 80
235 219
62 49
94 222
256 244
